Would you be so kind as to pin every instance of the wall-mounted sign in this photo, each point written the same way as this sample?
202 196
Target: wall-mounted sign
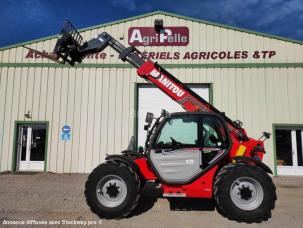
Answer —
211 55
148 36
33 55
192 55
66 133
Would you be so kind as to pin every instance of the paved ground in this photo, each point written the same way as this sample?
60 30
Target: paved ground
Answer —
46 198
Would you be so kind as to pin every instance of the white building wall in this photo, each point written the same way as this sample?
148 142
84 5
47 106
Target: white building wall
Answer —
98 102
203 37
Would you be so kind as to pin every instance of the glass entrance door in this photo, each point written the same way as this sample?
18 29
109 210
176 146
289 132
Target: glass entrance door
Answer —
31 147
289 150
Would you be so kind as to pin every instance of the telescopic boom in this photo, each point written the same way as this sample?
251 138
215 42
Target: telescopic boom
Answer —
71 48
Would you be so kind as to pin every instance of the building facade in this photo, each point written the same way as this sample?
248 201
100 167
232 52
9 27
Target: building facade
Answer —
63 119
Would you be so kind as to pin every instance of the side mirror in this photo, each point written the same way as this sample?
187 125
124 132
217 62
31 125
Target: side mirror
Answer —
149 117
266 135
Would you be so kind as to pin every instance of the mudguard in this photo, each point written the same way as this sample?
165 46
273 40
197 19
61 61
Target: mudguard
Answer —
248 160
125 160
132 153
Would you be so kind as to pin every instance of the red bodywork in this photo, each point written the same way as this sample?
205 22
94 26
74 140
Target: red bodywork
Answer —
191 102
202 186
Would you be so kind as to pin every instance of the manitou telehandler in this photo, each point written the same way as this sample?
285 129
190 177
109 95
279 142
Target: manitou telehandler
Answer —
199 153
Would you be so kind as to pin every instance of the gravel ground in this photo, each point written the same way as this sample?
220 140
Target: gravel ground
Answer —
59 198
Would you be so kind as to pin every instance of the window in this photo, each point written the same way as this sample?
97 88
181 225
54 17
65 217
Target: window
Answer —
299 136
179 132
192 131
213 133
289 147
284 147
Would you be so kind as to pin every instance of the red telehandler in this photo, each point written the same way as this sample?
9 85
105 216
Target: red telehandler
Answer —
198 153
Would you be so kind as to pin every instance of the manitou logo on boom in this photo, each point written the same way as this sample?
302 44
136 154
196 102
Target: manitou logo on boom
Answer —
168 36
167 82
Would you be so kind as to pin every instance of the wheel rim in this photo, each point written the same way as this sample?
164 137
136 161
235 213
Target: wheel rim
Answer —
111 191
246 193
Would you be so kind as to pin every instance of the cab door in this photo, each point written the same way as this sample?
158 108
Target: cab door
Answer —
187 144
175 153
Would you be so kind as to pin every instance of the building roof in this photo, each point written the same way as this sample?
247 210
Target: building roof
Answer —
167 14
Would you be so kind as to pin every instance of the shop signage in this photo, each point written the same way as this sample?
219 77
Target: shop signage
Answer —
190 55
211 55
168 36
34 55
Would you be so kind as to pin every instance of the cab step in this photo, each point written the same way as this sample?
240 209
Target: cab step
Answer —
174 194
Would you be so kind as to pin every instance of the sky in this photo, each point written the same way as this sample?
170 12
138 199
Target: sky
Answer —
24 20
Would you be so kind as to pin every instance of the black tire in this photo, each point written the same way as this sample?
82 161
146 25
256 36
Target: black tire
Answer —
233 184
104 174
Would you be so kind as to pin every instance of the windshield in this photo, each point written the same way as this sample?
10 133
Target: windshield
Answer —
179 132
191 131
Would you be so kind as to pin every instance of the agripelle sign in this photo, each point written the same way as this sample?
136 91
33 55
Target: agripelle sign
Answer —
168 36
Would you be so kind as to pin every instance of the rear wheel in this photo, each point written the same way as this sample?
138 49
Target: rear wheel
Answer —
244 193
112 190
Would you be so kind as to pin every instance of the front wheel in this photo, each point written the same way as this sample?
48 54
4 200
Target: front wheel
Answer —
244 193
112 190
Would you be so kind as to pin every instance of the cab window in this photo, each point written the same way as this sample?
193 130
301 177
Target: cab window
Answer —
213 133
179 132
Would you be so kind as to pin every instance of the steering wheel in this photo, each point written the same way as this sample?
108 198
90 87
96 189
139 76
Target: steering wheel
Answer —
175 142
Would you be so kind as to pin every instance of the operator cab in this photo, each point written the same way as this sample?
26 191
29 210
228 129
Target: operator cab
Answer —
182 145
